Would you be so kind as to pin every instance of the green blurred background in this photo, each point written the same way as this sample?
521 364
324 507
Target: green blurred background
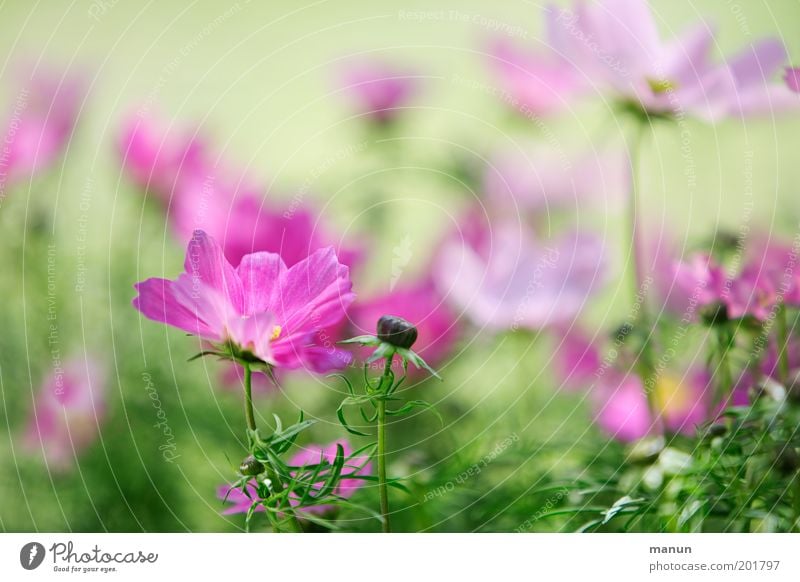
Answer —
258 78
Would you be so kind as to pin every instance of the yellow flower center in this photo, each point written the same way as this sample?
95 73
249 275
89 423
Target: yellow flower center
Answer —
276 332
659 86
670 395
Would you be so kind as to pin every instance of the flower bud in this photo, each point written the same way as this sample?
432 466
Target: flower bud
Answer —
787 460
622 333
717 430
251 466
714 313
396 331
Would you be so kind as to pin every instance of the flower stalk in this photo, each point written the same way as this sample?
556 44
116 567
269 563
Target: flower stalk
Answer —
248 396
634 261
274 477
394 336
381 452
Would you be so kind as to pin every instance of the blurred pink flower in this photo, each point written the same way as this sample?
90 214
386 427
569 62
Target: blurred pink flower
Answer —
262 307
619 397
504 279
679 402
535 178
534 84
576 359
769 369
792 78
768 277
700 278
310 455
621 407
667 293
40 124
751 292
615 46
421 304
68 410
206 194
378 90
243 223
157 158
240 501
313 454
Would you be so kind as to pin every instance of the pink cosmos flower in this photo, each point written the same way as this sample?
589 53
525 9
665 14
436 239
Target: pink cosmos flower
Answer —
537 84
614 46
326 358
39 124
421 304
243 224
534 178
378 90
67 412
262 307
310 455
504 279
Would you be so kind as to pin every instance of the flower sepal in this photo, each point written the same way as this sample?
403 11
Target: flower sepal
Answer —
387 350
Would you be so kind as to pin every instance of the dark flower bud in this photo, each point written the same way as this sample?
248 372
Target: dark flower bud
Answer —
717 430
396 331
622 332
714 313
251 467
787 460
726 241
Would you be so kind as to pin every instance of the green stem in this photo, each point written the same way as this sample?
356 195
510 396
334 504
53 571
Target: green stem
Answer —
783 347
249 414
275 478
248 397
724 385
381 405
634 261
